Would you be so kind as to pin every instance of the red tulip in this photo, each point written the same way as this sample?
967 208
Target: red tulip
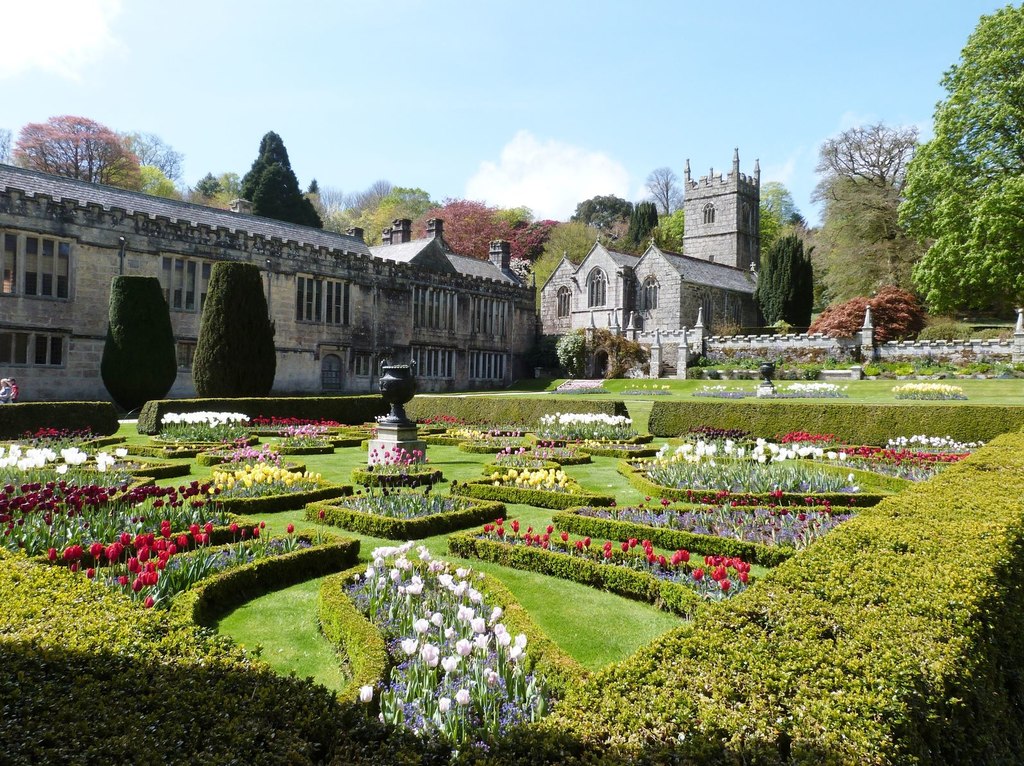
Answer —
96 550
90 573
565 537
290 528
515 525
698 574
137 584
625 547
52 554
148 603
725 585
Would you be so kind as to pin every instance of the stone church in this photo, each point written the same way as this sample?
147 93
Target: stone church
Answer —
339 307
670 300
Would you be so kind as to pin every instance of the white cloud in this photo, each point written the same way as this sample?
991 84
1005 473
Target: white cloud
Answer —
548 176
784 172
59 36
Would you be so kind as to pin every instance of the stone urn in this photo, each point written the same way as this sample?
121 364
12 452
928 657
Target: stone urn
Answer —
767 371
397 386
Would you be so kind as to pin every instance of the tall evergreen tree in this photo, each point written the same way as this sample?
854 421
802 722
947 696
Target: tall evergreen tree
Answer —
139 361
235 353
785 286
272 188
642 221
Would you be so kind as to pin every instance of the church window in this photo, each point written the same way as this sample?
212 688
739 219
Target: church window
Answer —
650 294
564 298
597 289
709 213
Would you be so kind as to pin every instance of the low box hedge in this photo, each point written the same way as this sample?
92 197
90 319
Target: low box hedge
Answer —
671 539
352 410
161 470
149 450
29 417
368 478
631 583
625 451
484 448
286 502
507 410
893 640
636 477
283 449
853 423
547 465
485 490
477 512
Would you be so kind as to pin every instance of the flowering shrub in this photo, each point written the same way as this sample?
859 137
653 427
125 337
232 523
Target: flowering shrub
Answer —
569 426
203 426
262 480
457 672
931 391
712 581
53 516
768 525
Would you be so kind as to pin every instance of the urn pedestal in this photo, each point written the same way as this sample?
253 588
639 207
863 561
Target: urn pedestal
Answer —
395 431
766 387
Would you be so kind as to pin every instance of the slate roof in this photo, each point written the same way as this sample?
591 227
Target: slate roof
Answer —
404 252
701 272
623 259
408 252
61 188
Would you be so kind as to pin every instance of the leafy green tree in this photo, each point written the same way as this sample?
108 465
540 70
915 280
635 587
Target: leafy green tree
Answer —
965 187
156 183
139 361
235 353
785 286
152 150
642 221
398 202
272 188
572 353
603 212
863 174
207 186
670 231
778 213
573 240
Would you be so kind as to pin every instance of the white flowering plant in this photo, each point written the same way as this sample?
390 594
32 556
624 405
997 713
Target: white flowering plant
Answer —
19 464
204 426
570 426
930 391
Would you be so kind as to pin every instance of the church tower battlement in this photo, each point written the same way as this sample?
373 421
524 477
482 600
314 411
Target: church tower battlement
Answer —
723 222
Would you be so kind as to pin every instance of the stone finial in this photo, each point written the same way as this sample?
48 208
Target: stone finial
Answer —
700 319
657 338
686 340
736 161
757 172
1019 329
593 325
686 171
631 325
868 321
613 319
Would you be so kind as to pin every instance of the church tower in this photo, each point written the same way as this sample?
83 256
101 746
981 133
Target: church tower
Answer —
723 216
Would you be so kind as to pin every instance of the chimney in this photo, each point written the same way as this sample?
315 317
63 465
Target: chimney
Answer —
401 231
385 236
435 228
501 254
356 232
241 206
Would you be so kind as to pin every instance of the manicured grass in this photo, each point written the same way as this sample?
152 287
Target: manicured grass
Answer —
284 623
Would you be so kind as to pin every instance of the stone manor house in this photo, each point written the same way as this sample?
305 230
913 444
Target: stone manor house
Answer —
670 300
339 306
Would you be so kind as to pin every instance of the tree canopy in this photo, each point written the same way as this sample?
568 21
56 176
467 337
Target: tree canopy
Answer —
77 147
603 212
965 187
272 188
663 186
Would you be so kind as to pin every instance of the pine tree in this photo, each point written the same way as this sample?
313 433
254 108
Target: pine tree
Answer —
785 286
272 188
235 353
139 361
642 221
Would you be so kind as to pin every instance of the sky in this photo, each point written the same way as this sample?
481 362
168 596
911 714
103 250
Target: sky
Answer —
542 104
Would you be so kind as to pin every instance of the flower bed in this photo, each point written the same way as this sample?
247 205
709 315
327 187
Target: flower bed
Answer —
723 392
155 469
396 468
759 533
629 568
263 488
550 488
240 455
19 465
614 449
579 426
931 391
457 671
491 446
581 387
305 440
403 515
197 427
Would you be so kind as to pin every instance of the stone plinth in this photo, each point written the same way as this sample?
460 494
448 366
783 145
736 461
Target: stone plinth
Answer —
393 435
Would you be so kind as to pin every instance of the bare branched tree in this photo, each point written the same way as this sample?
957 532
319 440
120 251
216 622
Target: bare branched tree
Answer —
152 150
5 145
663 184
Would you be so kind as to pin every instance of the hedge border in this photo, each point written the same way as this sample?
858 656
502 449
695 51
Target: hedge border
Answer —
368 478
510 410
623 581
404 529
483 448
485 490
98 417
283 450
162 470
618 453
288 502
489 468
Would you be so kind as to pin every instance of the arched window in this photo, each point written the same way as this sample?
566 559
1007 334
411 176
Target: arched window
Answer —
330 372
649 298
564 298
709 213
597 291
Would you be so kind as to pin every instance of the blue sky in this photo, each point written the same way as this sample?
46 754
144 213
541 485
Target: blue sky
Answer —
541 104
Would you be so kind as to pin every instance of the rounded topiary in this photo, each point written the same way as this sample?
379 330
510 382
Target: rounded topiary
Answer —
139 361
235 353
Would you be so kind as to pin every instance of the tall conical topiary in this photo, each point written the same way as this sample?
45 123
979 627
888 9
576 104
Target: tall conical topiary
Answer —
272 188
785 286
139 361
642 222
235 353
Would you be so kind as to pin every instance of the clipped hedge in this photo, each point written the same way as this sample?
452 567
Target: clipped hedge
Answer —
352 410
484 448
287 502
283 449
631 583
161 470
388 528
893 640
485 490
412 478
507 410
638 450
853 423
29 417
636 477
356 638
671 539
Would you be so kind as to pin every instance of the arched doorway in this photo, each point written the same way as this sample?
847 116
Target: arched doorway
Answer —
330 372
600 363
